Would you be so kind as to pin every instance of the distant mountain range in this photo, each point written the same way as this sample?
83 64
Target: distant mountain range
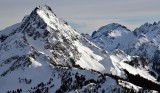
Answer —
43 54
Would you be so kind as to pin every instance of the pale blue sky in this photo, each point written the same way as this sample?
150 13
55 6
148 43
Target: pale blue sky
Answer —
85 15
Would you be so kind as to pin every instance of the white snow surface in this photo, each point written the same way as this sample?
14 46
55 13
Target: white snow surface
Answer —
119 60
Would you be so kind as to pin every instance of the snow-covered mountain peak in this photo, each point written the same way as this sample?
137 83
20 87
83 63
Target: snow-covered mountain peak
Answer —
109 29
111 26
41 15
147 28
42 33
44 8
38 49
43 11
112 36
44 20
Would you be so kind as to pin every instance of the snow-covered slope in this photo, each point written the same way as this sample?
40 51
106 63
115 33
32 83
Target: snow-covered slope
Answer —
133 64
44 33
147 43
143 41
138 50
43 54
147 40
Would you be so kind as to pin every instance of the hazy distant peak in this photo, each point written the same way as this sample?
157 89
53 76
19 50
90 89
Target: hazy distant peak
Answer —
108 28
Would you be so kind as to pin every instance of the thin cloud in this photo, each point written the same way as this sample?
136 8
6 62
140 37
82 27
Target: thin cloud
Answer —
86 15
